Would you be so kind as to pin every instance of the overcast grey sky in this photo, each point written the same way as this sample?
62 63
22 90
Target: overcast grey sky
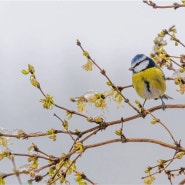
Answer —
44 34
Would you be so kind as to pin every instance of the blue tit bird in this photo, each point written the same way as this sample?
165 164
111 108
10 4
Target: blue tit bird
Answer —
148 79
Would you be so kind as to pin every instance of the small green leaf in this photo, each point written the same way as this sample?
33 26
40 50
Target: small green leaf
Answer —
79 148
25 72
109 83
81 106
148 170
149 180
86 54
137 102
2 181
31 69
3 141
69 114
180 155
176 43
119 132
51 171
48 102
34 82
88 66
65 124
90 119
99 119
52 134
181 70
154 121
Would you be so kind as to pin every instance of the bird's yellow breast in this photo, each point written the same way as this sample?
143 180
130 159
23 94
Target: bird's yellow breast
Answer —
150 83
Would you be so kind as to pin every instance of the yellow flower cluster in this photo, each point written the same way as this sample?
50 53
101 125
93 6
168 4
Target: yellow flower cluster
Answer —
181 83
33 162
78 147
159 54
149 180
62 166
97 99
7 154
88 66
52 134
48 102
115 96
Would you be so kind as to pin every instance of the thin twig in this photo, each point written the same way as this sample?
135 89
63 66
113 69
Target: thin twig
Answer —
155 6
174 38
16 171
163 125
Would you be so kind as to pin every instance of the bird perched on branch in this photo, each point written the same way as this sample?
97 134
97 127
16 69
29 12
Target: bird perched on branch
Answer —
148 79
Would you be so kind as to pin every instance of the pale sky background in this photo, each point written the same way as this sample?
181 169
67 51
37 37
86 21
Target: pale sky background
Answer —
44 34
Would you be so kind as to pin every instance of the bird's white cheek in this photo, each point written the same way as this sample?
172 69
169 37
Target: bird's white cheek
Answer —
143 65
137 69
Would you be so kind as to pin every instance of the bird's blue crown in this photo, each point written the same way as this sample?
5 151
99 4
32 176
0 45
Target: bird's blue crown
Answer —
140 58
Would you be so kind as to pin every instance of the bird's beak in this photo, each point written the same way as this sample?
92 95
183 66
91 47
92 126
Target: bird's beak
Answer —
131 69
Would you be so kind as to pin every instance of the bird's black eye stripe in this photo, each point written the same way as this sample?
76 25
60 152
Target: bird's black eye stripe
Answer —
139 63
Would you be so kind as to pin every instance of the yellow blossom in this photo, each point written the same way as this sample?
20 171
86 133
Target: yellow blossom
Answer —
79 178
2 181
149 180
69 115
34 82
119 132
34 162
154 121
180 155
117 97
98 119
3 141
88 66
79 148
81 106
100 103
29 70
47 102
181 88
52 134
85 53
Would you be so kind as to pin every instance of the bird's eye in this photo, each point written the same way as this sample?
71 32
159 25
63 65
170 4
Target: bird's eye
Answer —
137 64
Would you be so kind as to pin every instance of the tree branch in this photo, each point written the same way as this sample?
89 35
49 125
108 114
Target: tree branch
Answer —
137 140
155 6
